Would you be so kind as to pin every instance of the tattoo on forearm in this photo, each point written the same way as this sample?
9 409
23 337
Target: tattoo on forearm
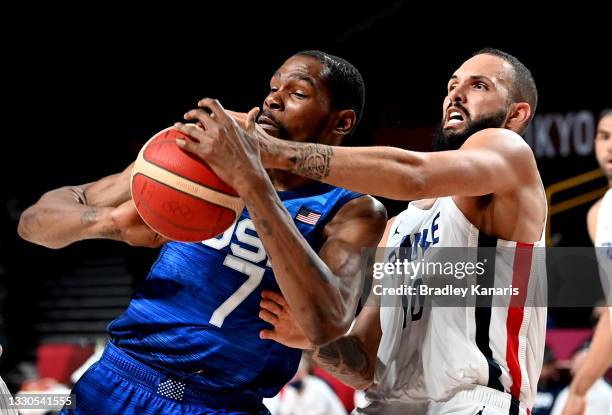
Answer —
312 160
345 358
89 216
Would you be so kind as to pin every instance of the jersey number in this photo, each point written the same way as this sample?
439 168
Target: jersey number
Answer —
254 274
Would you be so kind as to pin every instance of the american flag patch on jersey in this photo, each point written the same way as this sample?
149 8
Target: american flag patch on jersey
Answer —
308 216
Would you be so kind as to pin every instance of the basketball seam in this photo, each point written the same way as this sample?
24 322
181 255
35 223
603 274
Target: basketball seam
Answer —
185 193
144 157
239 204
162 218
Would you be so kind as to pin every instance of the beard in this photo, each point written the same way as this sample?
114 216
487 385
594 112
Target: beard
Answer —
452 140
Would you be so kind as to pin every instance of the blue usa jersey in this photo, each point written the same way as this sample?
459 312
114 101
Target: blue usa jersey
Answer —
196 316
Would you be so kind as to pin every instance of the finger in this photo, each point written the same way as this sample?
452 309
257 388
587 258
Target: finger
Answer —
198 134
201 148
251 118
271 306
200 115
267 335
268 317
191 130
274 296
215 107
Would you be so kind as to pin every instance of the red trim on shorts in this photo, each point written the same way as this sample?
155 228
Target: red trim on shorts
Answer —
520 279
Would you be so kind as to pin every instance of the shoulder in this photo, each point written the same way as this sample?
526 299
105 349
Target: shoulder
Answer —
362 219
592 216
506 146
365 208
499 139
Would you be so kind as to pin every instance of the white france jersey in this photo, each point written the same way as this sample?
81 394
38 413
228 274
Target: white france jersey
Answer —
431 353
603 238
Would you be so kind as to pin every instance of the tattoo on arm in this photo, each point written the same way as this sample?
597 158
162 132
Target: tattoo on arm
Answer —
347 359
89 216
312 160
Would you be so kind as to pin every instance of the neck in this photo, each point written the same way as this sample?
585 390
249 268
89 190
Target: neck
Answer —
283 180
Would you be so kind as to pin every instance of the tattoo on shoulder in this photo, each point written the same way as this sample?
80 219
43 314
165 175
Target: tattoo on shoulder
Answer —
312 161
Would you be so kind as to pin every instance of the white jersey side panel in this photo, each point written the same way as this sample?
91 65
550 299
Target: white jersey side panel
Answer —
446 349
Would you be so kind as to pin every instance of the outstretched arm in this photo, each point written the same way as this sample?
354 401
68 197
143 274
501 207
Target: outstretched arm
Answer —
101 209
490 161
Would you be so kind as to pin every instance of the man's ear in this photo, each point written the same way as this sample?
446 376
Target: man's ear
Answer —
518 117
345 122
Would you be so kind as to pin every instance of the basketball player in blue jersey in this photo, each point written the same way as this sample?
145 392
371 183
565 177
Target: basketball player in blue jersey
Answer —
189 341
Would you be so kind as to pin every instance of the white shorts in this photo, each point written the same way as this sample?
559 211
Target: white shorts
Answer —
478 401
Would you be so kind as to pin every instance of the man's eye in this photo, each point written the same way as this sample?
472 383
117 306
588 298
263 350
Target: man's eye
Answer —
299 95
273 89
480 85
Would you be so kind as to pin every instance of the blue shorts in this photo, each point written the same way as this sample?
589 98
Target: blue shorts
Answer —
119 384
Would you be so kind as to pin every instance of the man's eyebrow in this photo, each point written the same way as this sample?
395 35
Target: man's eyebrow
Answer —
474 77
481 78
299 76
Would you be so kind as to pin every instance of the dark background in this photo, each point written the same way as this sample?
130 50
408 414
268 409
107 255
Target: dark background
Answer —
84 89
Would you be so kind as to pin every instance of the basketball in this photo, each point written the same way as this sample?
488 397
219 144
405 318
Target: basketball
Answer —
178 195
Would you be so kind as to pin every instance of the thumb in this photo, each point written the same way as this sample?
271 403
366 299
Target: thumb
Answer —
251 118
267 335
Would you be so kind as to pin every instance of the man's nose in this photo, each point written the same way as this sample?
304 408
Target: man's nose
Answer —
273 101
457 95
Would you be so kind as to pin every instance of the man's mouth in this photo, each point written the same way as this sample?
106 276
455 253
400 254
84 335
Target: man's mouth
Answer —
454 117
268 123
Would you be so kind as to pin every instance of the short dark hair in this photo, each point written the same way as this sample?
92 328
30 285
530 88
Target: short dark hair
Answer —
605 113
345 83
524 87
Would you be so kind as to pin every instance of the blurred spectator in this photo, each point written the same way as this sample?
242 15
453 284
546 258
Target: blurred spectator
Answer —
305 395
549 384
345 393
598 399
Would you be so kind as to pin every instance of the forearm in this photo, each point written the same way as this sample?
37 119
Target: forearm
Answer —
598 359
322 305
348 360
60 218
360 169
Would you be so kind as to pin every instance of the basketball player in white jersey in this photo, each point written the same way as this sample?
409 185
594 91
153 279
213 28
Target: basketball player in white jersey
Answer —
485 189
599 224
